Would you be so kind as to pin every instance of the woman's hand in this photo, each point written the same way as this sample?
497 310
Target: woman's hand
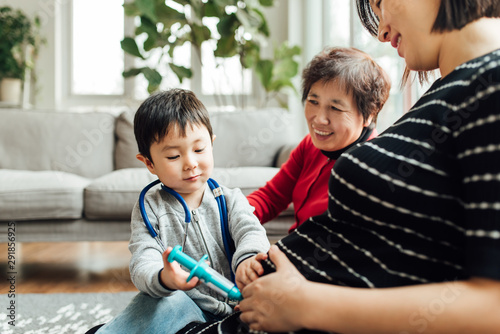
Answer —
174 277
249 270
274 302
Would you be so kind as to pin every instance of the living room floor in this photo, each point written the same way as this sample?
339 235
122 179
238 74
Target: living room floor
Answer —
68 267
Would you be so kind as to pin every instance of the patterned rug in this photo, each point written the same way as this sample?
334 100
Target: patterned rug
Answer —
60 313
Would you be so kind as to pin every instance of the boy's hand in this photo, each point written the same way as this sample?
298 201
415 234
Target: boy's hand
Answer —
174 277
249 270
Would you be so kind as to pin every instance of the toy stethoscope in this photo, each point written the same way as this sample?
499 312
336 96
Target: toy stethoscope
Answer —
221 202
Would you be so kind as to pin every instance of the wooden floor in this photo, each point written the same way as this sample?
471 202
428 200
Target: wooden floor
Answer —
67 267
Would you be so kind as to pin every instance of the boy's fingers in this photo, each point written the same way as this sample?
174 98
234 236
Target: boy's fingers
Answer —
166 253
251 275
261 256
258 269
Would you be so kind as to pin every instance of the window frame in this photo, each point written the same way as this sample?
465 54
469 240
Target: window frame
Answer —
97 101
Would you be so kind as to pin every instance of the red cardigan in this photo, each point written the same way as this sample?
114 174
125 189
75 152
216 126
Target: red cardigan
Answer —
302 180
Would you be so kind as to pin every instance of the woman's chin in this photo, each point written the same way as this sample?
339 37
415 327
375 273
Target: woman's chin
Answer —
324 143
326 147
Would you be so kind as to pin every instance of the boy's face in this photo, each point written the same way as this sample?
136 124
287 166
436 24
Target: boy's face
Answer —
183 163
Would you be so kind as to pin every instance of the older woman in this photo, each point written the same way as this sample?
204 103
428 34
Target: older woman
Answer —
343 92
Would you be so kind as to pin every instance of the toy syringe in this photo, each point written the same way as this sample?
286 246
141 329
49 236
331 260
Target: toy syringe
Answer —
205 273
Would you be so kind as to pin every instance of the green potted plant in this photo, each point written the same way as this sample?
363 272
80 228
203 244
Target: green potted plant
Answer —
241 31
276 74
18 48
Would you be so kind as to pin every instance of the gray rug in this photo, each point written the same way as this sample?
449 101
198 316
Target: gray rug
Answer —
60 313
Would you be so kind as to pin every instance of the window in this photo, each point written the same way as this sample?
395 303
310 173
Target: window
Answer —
97 59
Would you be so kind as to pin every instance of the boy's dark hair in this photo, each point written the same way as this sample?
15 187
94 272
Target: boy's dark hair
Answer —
160 112
452 15
355 72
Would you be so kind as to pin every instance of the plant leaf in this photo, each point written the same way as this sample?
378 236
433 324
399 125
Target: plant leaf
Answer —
132 72
168 15
224 3
148 27
181 71
284 51
250 54
149 44
212 10
263 28
266 3
147 7
129 45
154 78
226 47
250 20
264 71
288 68
227 25
200 34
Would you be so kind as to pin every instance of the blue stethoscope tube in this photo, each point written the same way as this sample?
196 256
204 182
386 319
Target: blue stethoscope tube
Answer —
229 246
145 215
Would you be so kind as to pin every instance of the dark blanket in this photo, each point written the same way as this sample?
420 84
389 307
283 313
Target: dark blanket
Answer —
229 325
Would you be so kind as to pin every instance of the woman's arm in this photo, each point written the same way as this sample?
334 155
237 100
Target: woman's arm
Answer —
285 301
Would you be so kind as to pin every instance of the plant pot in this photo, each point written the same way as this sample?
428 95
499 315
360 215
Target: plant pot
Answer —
10 90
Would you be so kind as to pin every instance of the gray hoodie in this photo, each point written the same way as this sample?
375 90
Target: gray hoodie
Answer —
204 236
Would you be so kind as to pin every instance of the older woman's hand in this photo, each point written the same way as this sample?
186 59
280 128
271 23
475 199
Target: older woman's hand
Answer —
275 302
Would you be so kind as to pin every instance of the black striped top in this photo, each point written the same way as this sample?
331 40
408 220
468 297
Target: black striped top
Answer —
421 202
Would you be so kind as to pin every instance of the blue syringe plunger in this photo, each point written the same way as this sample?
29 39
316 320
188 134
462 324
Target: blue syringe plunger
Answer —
205 273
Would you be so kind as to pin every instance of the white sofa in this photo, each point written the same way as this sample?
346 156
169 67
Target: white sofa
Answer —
68 176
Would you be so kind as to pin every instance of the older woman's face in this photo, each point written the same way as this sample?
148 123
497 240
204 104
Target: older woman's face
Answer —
332 116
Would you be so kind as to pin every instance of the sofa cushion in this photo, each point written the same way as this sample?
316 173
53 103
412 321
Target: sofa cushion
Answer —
248 179
251 137
38 195
77 143
113 196
126 145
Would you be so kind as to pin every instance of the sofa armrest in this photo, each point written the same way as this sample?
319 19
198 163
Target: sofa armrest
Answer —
283 154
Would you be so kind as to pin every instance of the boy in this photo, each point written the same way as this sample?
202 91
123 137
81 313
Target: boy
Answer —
175 140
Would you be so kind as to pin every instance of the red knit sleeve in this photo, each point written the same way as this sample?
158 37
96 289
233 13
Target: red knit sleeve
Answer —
276 195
